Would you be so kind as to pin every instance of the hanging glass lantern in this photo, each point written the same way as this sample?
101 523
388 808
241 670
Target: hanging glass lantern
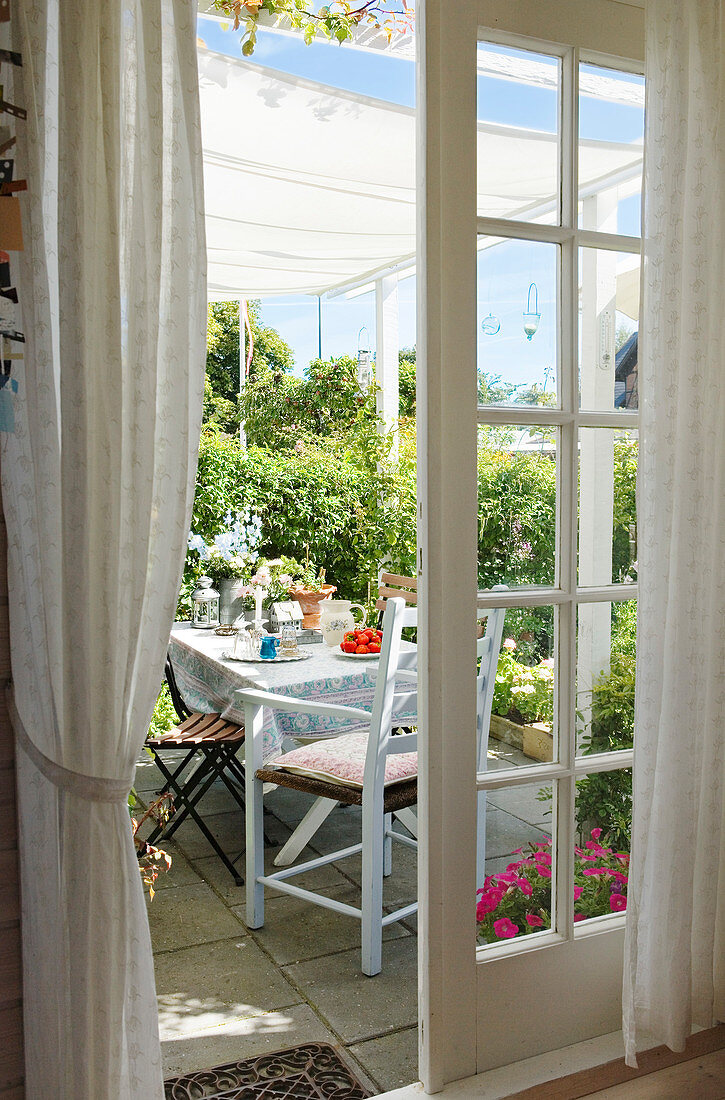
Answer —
490 325
365 369
205 604
532 316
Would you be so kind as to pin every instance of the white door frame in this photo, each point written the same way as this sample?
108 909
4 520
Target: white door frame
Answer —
455 1041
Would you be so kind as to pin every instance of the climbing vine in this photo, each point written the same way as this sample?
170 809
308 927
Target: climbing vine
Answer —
335 22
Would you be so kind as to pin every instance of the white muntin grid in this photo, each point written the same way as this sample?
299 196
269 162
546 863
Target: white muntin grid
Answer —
566 419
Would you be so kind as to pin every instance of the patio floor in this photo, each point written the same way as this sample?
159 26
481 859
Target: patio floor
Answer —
226 992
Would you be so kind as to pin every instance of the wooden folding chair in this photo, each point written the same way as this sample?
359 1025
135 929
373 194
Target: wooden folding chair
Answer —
391 584
215 742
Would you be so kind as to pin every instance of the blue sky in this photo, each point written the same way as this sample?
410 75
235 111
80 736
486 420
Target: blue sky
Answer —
505 272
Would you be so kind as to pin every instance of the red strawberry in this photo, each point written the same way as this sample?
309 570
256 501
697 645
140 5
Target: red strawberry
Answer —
374 647
348 647
362 649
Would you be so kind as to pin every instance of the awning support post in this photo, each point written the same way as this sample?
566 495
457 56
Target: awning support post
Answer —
387 348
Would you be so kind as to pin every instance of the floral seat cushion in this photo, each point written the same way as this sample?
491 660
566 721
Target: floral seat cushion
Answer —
342 760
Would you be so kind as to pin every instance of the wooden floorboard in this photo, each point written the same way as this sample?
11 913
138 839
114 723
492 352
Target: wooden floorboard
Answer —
616 1080
699 1079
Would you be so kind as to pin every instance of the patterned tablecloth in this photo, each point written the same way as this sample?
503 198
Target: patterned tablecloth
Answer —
208 682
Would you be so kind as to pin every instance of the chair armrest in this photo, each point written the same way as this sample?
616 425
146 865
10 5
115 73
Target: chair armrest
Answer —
300 706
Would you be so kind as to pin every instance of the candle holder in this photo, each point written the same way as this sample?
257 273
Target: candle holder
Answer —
256 634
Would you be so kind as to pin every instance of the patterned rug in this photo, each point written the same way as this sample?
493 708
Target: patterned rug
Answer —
309 1072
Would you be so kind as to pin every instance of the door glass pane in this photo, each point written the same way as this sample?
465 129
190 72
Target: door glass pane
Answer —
607 506
606 649
611 138
515 897
604 826
522 730
517 322
608 323
518 134
516 505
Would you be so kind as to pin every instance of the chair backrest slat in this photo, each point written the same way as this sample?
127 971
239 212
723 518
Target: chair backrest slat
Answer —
402 742
405 702
391 585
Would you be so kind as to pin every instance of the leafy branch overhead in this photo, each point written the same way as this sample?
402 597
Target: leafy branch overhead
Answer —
335 22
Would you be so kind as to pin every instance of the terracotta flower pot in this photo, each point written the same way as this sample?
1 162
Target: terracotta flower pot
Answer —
310 603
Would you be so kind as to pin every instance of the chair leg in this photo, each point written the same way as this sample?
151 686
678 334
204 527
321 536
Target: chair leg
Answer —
481 839
254 818
372 888
387 845
308 826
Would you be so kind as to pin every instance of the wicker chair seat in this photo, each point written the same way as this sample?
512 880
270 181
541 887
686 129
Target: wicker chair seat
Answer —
396 797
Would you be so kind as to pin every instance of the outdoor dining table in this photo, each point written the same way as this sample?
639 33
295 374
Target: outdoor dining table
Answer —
208 681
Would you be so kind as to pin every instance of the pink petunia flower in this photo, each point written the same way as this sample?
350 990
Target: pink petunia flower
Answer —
505 929
525 887
534 921
596 833
619 877
578 917
596 871
488 903
617 902
545 872
578 892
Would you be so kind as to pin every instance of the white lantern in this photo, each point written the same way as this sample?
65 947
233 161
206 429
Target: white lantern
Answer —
365 369
205 604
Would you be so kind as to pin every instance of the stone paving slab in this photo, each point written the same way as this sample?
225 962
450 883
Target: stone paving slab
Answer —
521 802
227 828
401 886
294 930
357 1007
244 1038
392 1060
181 872
505 833
185 915
210 985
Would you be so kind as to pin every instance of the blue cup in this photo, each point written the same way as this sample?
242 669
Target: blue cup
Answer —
268 649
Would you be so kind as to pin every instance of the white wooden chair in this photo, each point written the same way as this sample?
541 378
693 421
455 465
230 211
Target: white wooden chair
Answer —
327 769
488 647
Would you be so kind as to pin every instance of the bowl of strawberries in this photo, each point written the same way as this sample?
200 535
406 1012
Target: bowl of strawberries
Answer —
362 644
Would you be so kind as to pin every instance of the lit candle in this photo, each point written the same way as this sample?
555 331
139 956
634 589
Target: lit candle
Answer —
258 597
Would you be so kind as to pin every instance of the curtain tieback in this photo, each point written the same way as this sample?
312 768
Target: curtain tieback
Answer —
91 787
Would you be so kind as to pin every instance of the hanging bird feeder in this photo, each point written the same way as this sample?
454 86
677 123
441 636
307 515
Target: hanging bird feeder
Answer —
532 316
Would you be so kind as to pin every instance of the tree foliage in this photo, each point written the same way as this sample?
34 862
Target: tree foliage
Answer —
270 354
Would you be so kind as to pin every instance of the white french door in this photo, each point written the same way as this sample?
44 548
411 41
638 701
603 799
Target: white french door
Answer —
529 163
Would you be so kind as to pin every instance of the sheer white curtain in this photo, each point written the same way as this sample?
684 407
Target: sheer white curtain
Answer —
97 486
675 946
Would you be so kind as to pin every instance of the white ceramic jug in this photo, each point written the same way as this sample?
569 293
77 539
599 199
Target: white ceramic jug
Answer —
337 618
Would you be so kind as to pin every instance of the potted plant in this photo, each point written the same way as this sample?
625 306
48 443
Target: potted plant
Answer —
310 591
229 560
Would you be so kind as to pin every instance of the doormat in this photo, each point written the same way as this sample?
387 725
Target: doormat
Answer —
309 1072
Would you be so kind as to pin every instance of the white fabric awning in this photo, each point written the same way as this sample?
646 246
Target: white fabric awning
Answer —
309 187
